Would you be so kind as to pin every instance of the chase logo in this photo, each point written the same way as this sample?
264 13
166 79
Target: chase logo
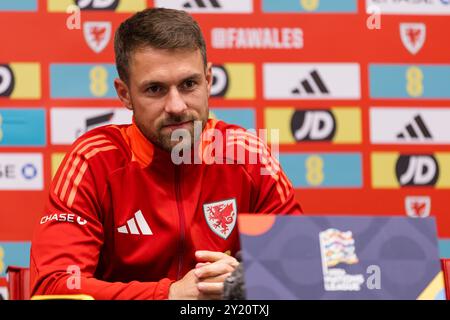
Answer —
311 6
15 5
72 81
393 170
21 171
97 5
233 81
208 6
337 125
409 81
22 127
323 170
20 80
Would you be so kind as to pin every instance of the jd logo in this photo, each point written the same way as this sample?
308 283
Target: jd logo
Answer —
97 4
219 85
6 80
313 125
417 170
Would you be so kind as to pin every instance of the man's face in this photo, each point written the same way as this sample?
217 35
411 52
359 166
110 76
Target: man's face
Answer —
167 90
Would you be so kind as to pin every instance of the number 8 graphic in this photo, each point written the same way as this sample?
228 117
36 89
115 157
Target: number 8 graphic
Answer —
310 5
99 77
414 78
314 167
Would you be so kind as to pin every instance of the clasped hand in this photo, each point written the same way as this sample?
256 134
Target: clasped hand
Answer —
205 281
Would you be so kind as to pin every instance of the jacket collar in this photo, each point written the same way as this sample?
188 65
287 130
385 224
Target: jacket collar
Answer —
143 151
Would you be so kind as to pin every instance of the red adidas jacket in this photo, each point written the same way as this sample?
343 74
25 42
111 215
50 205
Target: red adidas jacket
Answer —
127 221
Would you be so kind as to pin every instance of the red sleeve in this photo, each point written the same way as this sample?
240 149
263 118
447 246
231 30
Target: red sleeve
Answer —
69 236
274 191
276 195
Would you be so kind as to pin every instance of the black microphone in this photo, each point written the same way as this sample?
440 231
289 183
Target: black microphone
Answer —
234 285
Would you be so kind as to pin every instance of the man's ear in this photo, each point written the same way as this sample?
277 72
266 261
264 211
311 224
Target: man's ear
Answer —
209 77
123 92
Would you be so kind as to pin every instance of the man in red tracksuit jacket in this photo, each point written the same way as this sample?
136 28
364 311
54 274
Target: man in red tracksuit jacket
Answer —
125 219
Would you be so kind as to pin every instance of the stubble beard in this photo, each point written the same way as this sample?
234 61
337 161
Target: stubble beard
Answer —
163 139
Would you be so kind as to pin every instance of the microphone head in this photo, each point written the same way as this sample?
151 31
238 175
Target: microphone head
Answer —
234 285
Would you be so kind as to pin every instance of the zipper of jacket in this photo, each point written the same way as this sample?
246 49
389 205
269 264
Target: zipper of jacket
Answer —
181 219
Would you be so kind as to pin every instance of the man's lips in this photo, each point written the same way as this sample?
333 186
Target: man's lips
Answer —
178 125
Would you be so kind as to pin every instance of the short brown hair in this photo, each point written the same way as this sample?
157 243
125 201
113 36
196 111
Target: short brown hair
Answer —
158 28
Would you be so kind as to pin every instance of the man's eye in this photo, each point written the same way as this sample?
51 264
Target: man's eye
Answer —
189 84
154 89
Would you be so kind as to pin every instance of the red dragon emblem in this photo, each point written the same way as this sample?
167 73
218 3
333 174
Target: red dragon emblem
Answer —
221 216
97 34
418 206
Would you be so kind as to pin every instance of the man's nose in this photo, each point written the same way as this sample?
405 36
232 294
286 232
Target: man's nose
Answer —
174 102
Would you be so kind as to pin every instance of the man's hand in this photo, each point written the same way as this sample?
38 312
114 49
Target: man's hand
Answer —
185 288
206 280
212 270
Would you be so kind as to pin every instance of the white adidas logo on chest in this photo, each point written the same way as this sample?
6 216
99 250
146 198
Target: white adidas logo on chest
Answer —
136 225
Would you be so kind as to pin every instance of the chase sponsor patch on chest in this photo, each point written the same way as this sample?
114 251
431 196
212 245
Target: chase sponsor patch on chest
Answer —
221 216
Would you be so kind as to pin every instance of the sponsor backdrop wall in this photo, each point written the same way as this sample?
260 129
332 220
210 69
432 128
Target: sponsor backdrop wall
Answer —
362 100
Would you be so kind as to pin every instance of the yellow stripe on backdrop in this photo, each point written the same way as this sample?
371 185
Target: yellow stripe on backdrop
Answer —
280 119
241 82
57 158
348 125
443 160
59 5
131 5
27 80
383 169
124 5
